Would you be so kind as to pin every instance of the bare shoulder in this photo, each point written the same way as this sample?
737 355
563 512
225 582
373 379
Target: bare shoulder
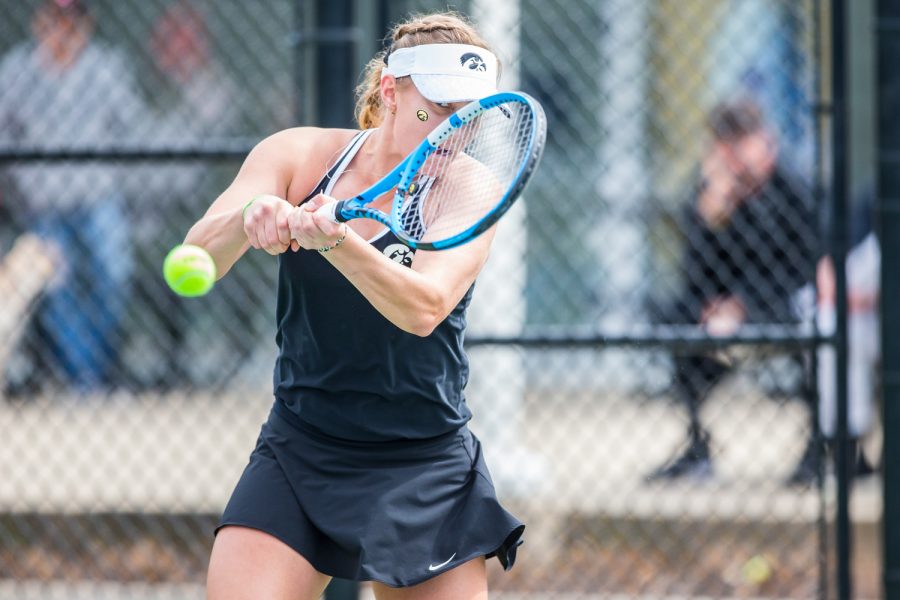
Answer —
305 144
301 155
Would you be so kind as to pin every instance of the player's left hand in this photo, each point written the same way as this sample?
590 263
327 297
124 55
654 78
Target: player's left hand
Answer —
312 231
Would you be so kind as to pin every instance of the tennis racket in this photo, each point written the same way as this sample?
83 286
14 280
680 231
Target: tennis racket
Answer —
463 176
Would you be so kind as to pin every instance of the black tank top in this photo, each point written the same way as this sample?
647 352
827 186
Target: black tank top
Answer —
347 371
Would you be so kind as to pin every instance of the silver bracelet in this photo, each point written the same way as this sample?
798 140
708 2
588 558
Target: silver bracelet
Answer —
339 241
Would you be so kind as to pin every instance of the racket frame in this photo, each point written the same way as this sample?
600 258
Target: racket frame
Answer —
402 175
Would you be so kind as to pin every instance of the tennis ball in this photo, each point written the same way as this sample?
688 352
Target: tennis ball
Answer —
757 570
189 270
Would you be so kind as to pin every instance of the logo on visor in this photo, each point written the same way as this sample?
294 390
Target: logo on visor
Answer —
472 61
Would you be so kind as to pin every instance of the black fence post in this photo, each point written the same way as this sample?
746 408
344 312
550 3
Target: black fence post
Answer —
888 28
336 40
325 42
840 194
342 589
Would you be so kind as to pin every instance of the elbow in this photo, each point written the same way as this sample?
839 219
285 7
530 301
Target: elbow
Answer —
427 318
423 331
423 325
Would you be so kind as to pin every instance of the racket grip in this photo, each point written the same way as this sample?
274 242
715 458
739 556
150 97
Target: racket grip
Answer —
332 210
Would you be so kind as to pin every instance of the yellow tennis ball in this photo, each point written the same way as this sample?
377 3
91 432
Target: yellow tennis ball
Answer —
189 270
757 570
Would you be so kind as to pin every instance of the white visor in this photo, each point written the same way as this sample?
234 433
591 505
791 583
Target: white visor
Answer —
446 72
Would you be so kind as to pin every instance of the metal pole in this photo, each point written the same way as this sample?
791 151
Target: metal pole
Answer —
304 63
342 589
822 114
840 187
335 40
325 62
888 40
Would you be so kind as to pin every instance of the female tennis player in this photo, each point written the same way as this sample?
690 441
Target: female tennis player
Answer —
365 469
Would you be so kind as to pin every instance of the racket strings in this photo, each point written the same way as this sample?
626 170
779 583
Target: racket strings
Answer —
471 173
411 219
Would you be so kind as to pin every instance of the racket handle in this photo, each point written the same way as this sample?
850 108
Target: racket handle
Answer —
332 210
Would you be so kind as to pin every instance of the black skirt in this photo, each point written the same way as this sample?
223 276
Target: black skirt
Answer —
395 512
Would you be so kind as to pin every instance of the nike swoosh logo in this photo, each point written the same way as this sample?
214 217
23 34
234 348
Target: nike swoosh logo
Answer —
443 564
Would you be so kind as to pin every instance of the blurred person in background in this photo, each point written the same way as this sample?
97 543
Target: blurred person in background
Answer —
863 269
195 102
65 89
198 97
749 234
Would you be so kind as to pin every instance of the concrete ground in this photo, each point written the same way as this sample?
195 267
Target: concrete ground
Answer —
572 454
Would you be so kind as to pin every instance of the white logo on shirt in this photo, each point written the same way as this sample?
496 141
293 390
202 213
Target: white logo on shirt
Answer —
400 253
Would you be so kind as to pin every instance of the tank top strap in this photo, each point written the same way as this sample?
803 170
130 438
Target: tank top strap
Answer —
326 184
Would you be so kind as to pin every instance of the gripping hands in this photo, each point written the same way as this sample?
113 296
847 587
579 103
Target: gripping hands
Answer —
274 224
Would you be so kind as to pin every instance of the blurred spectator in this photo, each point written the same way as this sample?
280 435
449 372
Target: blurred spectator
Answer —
66 89
749 236
196 94
195 102
198 97
863 267
25 272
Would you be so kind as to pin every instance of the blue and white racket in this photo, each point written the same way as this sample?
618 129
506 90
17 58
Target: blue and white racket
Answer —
462 178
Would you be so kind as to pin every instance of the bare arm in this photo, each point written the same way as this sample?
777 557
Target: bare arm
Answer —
414 299
226 231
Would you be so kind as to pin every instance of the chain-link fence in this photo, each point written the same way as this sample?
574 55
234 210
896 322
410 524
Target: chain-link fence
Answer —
644 373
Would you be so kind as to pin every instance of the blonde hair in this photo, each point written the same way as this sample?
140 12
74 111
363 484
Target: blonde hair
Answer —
434 28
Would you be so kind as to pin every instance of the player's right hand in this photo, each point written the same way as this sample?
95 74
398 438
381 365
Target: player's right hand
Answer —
266 224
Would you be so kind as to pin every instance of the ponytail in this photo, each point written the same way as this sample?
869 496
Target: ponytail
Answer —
368 95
